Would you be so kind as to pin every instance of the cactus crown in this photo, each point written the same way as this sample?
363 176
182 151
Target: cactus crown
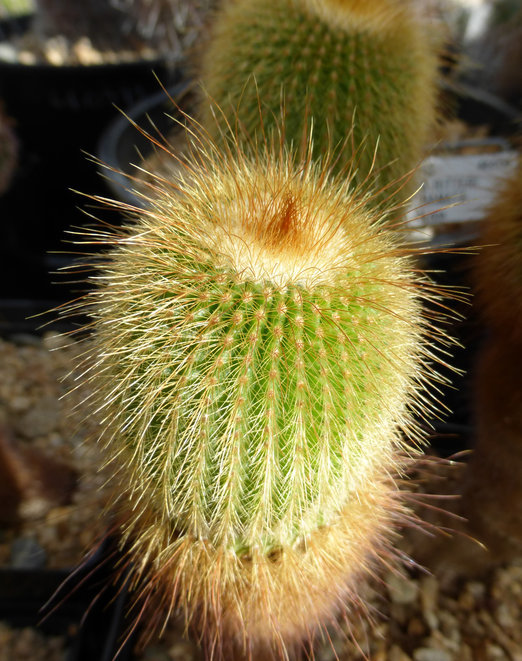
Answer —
372 15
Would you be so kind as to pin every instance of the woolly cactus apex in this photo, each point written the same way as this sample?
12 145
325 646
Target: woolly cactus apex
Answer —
498 267
326 62
259 352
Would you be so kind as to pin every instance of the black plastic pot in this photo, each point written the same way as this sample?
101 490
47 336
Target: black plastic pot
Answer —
59 114
122 144
32 92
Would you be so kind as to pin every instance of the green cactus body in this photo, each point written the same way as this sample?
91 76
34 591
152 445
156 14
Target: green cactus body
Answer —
259 352
326 63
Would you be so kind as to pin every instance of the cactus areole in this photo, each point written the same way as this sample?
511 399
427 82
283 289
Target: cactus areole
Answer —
331 64
259 352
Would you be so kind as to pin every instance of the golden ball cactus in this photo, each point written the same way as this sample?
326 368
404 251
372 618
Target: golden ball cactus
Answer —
260 355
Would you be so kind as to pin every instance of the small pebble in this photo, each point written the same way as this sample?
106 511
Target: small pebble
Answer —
41 419
428 654
181 651
429 593
495 652
26 553
397 654
401 589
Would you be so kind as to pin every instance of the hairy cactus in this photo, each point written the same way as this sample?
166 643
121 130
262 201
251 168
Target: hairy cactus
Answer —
259 356
326 63
490 491
498 273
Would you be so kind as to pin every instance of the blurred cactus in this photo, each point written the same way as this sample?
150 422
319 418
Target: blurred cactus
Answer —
492 492
9 8
327 63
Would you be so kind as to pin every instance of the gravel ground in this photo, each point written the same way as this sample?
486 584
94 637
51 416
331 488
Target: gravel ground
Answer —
417 617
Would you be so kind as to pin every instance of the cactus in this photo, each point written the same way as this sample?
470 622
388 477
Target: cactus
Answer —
260 351
498 272
326 63
490 492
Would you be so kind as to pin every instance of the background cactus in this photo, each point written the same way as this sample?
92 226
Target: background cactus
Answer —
260 349
327 62
489 490
498 270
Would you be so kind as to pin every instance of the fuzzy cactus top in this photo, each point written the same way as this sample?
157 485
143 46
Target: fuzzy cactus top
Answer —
362 73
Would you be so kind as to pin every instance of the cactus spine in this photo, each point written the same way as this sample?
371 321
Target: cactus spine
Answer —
326 62
259 352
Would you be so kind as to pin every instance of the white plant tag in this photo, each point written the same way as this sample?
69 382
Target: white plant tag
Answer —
459 188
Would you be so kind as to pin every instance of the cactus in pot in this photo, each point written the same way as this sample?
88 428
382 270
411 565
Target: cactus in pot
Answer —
260 354
491 491
331 63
